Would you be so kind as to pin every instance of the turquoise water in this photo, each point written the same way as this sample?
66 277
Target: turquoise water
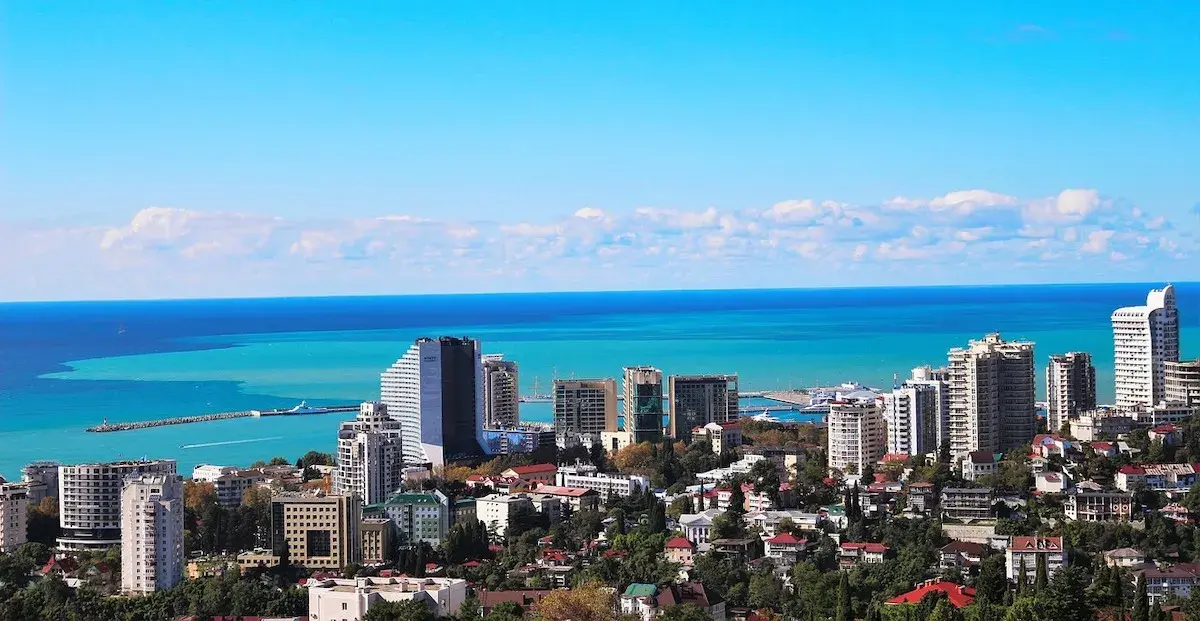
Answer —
69 366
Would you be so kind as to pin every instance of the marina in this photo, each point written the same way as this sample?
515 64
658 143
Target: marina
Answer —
300 410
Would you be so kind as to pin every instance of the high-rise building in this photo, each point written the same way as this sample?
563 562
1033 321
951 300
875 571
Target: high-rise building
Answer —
914 415
151 533
370 457
1181 382
42 479
317 532
938 380
501 392
643 388
1070 388
1144 339
585 406
992 396
435 391
697 400
89 501
857 435
14 513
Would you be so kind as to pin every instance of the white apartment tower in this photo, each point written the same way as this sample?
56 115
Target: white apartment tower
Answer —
1182 382
501 396
151 533
89 497
1070 388
14 513
992 396
915 412
585 406
435 391
1144 339
370 457
857 435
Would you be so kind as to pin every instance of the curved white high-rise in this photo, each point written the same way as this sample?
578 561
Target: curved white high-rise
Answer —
1144 338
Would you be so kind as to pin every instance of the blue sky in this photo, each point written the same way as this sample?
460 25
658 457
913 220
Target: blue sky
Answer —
314 146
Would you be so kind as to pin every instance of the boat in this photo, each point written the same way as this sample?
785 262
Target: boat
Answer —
303 408
765 417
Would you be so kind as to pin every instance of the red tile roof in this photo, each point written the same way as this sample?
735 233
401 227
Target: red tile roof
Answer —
1131 470
785 539
535 469
869 547
574 492
1102 446
679 543
1029 544
960 596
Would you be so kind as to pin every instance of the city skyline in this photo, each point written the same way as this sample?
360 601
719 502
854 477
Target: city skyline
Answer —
409 148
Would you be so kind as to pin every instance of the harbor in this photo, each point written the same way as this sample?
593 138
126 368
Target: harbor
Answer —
301 410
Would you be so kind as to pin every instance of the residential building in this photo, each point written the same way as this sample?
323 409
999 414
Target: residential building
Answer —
992 396
921 497
722 437
376 534
614 441
1070 388
1124 557
585 407
788 459
435 391
1163 413
370 457
605 484
228 482
419 516
532 475
1167 433
257 558
577 498
962 555
151 533
14 513
958 595
317 532
89 500
1181 382
697 527
1144 339
767 523
527 599
679 594
640 600
1098 424
531 438
1050 482
979 464
785 548
967 503
1026 550
643 392
937 380
914 414
501 392
1158 477
335 599
680 550
1163 583
495 511
857 435
41 479
463 511
853 553
697 400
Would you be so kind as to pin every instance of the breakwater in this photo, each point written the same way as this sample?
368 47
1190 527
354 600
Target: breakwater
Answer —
106 426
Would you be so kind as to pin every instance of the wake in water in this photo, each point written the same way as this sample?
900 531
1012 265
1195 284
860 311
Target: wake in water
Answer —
228 442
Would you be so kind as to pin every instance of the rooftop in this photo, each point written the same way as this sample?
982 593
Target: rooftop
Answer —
960 596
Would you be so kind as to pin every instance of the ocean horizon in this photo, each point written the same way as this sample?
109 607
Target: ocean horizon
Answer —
68 365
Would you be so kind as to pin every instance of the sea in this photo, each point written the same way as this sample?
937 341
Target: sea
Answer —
67 365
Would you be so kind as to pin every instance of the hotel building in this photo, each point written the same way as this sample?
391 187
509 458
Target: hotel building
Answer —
1181 382
501 392
370 459
1070 388
857 435
697 400
1144 339
585 406
151 533
916 412
317 532
89 497
992 396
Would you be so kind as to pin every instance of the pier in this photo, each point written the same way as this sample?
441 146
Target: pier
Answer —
106 426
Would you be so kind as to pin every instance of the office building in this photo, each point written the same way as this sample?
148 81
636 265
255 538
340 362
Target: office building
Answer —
585 407
501 392
41 479
151 533
89 497
915 414
317 532
697 400
377 535
992 396
370 457
337 599
1181 382
14 515
1144 339
435 391
857 435
229 482
643 392
1070 388
419 516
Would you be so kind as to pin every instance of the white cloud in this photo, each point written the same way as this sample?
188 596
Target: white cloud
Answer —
799 242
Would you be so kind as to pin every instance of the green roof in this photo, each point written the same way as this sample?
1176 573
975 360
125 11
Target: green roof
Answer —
412 499
641 590
464 501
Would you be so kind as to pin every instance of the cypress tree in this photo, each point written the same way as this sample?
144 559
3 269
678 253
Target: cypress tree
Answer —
844 611
1141 602
1022 579
1040 579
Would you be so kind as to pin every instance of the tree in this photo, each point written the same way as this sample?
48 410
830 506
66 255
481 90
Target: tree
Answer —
589 602
844 611
686 612
765 591
1025 609
598 456
198 495
411 610
992 583
1022 579
504 611
1040 580
42 523
945 611
1141 602
470 608
737 500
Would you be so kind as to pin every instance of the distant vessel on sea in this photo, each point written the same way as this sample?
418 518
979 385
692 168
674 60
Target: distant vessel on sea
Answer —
303 408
